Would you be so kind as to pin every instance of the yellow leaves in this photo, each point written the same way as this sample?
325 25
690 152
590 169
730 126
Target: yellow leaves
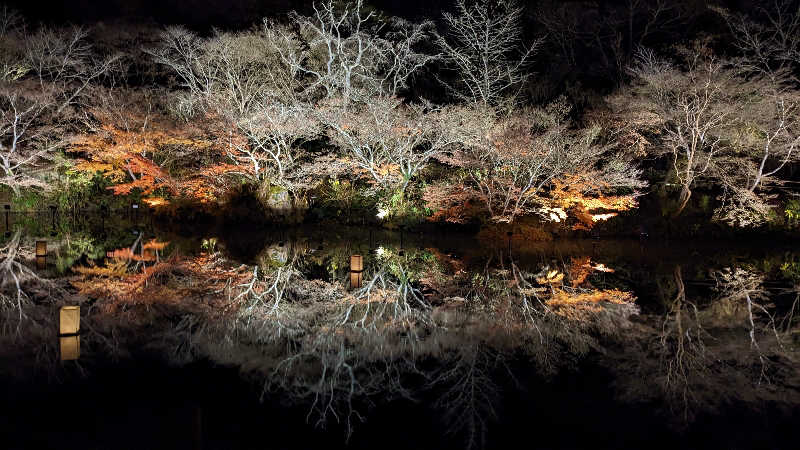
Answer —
148 253
155 245
580 269
552 277
116 268
564 298
109 170
155 202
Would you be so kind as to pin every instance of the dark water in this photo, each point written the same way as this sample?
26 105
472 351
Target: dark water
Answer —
452 341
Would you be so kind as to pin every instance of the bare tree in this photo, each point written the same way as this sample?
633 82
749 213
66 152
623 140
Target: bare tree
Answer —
243 78
392 142
65 63
696 109
742 287
769 138
10 20
470 393
24 142
484 46
523 155
12 64
683 347
388 300
229 72
342 55
19 284
771 45
402 59
182 51
345 52
274 132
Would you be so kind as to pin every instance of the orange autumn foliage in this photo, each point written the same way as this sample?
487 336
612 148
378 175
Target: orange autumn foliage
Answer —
572 192
128 157
147 254
121 287
580 269
576 305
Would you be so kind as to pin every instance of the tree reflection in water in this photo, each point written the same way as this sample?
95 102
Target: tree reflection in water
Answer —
426 324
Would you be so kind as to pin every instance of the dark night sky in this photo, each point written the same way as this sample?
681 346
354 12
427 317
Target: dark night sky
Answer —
196 13
203 14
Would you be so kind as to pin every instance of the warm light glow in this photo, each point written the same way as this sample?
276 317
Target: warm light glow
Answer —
155 202
70 347
356 279
599 217
552 277
356 263
41 248
69 320
602 268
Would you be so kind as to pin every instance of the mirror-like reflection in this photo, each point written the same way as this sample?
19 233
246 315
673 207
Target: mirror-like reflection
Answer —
452 323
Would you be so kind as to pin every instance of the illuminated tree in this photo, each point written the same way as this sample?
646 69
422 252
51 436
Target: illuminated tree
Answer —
137 147
483 44
65 64
695 109
346 51
402 59
228 72
390 141
26 144
38 95
517 167
767 139
274 133
342 56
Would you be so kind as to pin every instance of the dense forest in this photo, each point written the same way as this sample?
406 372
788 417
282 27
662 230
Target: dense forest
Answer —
629 116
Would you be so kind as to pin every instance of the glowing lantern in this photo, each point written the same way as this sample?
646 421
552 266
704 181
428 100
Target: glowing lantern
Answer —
41 248
69 319
356 263
356 271
70 347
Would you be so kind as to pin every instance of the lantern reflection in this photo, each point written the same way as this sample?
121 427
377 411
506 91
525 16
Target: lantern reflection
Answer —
69 324
70 347
41 255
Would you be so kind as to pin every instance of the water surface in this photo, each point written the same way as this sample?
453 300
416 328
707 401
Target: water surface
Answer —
232 336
